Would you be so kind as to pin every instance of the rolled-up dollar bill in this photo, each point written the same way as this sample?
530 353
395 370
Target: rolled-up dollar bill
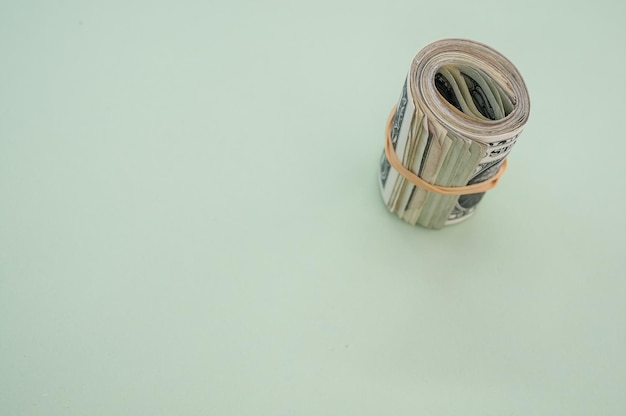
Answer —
462 107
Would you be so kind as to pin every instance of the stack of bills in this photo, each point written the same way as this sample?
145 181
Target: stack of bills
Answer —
462 107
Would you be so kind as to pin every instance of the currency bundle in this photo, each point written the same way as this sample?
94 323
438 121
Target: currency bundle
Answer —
462 107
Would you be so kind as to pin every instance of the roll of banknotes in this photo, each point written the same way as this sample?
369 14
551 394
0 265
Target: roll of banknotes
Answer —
461 110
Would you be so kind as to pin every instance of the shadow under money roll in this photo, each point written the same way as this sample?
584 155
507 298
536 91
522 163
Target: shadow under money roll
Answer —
461 109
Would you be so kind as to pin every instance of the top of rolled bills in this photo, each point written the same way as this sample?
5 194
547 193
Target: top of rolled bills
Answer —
470 54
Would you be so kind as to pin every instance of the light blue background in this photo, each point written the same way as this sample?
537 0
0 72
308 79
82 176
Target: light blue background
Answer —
190 220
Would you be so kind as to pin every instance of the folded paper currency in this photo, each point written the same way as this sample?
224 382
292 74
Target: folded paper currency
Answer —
462 107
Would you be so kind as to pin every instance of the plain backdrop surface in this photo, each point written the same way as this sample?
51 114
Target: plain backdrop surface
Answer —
190 220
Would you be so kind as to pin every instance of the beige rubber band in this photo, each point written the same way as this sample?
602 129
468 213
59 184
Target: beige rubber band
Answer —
393 159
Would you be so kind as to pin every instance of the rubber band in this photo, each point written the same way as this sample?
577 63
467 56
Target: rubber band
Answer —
395 161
